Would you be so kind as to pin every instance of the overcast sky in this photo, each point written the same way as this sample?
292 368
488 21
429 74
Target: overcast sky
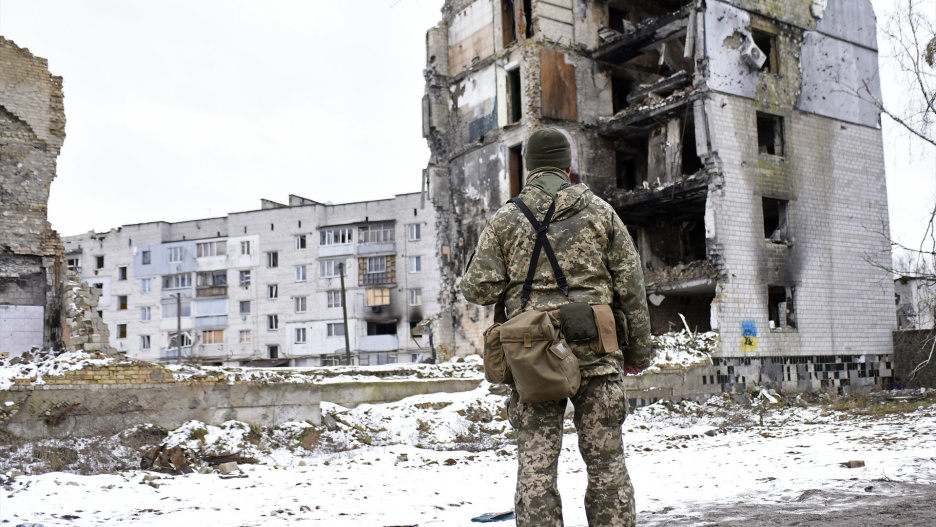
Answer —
181 109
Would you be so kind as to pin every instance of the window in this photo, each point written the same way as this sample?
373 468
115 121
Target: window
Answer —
273 351
339 236
170 309
377 328
122 273
301 241
212 278
330 268
377 233
206 249
377 264
767 42
378 297
243 307
245 336
514 108
415 264
174 340
336 329
121 331
625 171
146 313
272 322
775 220
74 264
245 247
211 308
413 232
415 297
300 273
526 14
780 307
244 278
515 160
334 298
300 335
301 304
272 291
175 254
145 342
177 281
146 285
98 262
272 259
374 270
508 22
769 134
122 302
213 336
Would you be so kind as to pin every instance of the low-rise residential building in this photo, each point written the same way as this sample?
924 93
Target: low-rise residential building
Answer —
264 287
916 302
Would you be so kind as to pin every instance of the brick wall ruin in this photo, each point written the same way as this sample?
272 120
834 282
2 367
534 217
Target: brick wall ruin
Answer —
731 137
32 130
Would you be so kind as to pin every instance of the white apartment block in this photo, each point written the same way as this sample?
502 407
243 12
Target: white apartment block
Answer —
263 287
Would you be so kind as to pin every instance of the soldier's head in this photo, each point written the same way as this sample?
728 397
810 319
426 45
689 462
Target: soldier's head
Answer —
548 147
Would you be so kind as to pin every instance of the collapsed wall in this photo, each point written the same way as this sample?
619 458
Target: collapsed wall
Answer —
32 130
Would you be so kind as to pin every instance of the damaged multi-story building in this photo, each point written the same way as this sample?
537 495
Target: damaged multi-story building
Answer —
265 287
735 139
32 131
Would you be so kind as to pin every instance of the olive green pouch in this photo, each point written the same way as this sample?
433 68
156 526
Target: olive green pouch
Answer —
577 321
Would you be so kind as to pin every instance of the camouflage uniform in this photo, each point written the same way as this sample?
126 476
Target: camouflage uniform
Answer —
602 267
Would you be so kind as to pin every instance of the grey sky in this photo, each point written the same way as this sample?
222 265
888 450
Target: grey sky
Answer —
180 109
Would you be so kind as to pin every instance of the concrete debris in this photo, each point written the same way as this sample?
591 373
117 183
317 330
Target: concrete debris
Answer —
228 468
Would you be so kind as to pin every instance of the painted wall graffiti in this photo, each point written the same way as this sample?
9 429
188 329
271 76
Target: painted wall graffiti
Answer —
748 335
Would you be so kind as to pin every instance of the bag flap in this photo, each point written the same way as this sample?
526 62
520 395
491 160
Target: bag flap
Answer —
607 334
530 325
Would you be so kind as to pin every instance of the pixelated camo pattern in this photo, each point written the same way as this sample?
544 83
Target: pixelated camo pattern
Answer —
595 252
600 409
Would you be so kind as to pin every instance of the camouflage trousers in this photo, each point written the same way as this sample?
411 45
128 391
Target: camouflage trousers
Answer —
600 409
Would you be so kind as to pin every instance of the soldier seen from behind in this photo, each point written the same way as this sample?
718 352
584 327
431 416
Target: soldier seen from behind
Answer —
601 267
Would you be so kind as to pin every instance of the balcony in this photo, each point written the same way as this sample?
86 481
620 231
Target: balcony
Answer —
211 322
376 248
388 277
216 290
344 249
172 354
378 343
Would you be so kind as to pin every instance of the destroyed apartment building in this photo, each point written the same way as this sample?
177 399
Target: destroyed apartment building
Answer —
733 137
264 287
32 131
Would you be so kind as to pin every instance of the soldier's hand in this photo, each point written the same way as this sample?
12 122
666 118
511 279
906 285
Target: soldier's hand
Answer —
632 370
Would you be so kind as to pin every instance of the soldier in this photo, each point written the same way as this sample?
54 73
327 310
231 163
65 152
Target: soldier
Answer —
601 265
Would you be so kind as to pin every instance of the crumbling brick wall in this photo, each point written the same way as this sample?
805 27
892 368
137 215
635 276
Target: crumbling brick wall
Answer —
32 130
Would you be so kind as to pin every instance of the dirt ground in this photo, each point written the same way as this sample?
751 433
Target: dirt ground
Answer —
884 504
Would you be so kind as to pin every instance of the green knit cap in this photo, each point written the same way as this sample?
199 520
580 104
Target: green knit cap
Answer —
547 147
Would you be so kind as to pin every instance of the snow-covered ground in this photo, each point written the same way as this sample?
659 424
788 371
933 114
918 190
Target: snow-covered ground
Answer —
442 459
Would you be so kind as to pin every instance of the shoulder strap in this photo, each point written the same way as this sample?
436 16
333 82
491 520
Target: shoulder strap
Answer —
542 243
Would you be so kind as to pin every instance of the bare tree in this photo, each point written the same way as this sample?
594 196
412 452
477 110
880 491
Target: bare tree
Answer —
909 36
910 33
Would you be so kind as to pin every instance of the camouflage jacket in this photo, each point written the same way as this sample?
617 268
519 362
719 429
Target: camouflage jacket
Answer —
596 254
